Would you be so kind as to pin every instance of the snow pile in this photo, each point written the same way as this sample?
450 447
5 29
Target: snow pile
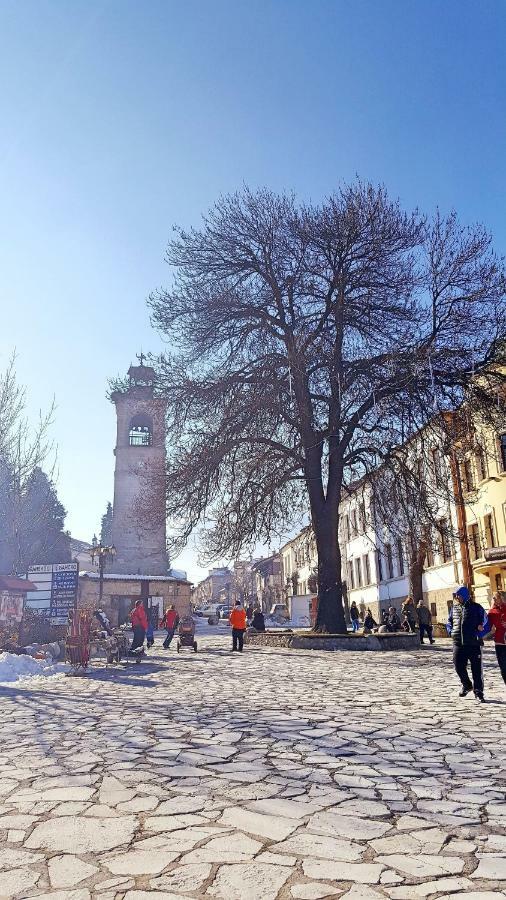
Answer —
298 622
18 668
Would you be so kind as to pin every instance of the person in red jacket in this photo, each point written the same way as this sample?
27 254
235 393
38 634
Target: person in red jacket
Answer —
237 620
497 622
139 622
170 622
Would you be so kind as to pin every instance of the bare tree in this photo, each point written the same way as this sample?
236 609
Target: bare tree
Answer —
308 342
23 450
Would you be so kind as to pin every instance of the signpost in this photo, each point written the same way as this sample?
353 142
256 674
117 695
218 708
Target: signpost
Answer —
56 592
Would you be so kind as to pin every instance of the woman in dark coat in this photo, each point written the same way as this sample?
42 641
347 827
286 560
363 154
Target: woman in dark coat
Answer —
258 621
369 622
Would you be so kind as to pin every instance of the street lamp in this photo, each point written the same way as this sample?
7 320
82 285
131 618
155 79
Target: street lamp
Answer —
103 554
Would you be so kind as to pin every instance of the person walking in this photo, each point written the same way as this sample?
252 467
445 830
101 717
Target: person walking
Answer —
258 621
497 623
408 612
237 620
354 616
425 622
466 624
170 622
139 621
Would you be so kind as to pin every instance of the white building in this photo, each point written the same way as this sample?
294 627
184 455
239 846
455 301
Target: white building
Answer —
209 590
374 550
299 564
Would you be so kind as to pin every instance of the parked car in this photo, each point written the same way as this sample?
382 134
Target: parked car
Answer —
223 611
209 609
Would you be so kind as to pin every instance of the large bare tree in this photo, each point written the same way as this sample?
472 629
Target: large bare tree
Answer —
306 342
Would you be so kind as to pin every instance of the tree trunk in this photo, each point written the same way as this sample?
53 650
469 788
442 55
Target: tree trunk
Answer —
330 614
416 566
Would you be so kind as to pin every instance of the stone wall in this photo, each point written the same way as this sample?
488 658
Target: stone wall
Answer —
309 641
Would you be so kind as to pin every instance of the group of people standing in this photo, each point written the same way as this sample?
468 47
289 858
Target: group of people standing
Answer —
414 617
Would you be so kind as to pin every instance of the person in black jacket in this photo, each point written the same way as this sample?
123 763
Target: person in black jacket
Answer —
258 621
369 622
466 623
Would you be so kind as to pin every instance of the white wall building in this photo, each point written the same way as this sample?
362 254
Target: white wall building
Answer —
299 564
375 560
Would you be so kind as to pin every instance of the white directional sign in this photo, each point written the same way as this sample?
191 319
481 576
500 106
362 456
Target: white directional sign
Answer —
56 592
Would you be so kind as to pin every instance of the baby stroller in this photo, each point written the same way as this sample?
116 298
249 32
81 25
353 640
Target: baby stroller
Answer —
186 634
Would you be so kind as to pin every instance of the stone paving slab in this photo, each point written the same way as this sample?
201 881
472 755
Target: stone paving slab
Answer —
270 775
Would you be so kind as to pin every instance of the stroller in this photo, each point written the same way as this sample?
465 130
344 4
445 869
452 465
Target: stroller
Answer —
186 634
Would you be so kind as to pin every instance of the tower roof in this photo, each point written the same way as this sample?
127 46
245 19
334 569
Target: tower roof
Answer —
141 375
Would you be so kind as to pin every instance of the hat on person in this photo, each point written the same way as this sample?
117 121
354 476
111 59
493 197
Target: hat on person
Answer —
463 593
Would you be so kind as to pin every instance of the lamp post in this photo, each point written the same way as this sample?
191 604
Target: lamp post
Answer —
103 554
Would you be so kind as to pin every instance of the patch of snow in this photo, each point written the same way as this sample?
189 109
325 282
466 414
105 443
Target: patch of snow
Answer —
19 668
298 622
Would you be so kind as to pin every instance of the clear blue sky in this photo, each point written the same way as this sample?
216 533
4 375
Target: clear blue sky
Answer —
120 118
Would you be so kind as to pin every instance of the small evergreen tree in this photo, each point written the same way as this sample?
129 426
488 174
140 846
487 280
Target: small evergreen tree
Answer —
106 527
41 536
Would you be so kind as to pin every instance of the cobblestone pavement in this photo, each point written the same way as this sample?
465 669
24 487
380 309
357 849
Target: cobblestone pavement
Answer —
272 774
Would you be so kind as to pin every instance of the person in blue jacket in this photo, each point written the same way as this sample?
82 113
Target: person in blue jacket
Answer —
466 625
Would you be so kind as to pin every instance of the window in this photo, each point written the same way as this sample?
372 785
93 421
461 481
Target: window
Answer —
358 572
367 569
468 475
445 547
353 520
389 559
481 464
346 527
379 561
502 450
140 433
351 577
498 582
473 537
400 556
490 531
433 610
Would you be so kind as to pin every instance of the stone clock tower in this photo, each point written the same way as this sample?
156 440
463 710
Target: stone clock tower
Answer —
138 525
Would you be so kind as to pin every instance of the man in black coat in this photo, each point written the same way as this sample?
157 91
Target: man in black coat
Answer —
466 623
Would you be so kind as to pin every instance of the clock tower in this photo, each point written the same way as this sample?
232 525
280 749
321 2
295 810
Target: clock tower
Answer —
138 524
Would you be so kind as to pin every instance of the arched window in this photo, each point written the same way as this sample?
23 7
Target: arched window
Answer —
140 432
